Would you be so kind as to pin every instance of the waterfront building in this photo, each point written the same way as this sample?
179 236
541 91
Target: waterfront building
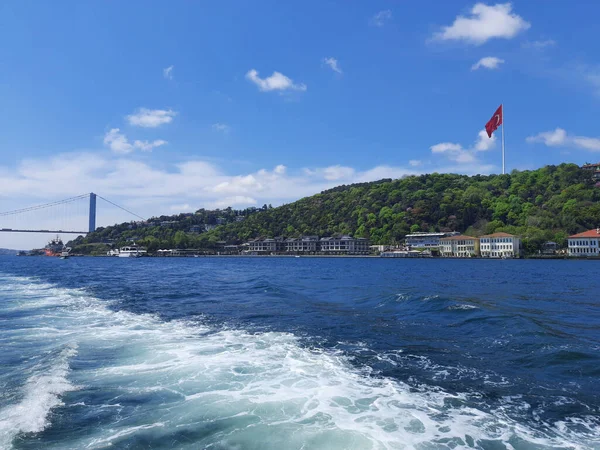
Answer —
305 244
500 245
549 248
344 245
426 240
267 246
459 246
584 244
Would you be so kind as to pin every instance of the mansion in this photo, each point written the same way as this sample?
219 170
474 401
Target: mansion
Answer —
584 244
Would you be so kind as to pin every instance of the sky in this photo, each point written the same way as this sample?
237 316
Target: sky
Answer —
167 107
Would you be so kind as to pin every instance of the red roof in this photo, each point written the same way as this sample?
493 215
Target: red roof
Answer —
587 234
457 238
496 235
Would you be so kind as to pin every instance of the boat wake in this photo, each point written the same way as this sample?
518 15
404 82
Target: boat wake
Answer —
181 384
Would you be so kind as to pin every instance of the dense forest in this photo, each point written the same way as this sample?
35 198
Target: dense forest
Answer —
542 205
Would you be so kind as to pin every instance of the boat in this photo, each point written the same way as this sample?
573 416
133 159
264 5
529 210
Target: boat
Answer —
54 247
65 253
131 251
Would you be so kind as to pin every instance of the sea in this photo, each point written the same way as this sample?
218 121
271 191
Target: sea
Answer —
299 353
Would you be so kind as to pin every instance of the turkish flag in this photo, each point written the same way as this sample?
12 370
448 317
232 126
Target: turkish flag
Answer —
494 122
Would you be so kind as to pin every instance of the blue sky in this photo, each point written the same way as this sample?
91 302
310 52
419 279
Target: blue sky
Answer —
166 107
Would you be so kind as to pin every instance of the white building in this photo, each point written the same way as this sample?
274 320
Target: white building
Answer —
585 244
426 240
459 246
500 245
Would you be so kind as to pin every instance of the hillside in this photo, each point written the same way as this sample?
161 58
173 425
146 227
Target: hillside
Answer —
545 204
178 231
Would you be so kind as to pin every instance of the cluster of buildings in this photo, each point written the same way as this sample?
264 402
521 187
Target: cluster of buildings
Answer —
594 169
309 245
455 245
496 245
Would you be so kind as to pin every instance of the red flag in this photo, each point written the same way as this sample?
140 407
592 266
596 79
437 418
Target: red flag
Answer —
494 122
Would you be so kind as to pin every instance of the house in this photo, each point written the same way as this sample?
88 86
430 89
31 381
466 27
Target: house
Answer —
584 244
426 240
594 169
459 246
500 245
195 229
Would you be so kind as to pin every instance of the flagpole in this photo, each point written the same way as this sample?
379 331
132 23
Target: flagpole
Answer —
503 159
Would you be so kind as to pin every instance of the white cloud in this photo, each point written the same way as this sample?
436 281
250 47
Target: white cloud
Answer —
457 153
222 127
486 22
333 64
337 172
379 19
560 138
280 169
276 82
182 208
151 118
484 143
489 62
236 200
168 72
119 143
541 44
415 163
454 152
147 146
550 138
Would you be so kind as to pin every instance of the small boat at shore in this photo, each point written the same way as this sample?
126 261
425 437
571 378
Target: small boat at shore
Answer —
131 251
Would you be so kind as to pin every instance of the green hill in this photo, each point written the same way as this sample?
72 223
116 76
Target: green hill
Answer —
540 205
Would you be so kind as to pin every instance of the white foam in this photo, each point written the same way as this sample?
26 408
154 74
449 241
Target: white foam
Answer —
41 393
279 392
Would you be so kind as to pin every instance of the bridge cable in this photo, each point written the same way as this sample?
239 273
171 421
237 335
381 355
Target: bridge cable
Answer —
120 207
47 205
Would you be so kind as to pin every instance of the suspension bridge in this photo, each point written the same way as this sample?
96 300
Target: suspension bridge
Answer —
68 216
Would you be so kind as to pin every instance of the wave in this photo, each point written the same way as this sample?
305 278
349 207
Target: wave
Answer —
185 384
42 392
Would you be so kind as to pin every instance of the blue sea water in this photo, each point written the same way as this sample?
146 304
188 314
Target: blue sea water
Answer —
299 353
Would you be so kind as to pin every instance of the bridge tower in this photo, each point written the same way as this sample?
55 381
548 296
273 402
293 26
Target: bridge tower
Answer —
92 224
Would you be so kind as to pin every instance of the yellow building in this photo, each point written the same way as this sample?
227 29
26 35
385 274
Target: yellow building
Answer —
459 246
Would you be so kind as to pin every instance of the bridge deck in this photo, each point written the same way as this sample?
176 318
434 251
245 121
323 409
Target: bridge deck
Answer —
10 230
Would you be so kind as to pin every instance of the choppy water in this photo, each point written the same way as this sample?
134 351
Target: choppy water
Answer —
288 353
